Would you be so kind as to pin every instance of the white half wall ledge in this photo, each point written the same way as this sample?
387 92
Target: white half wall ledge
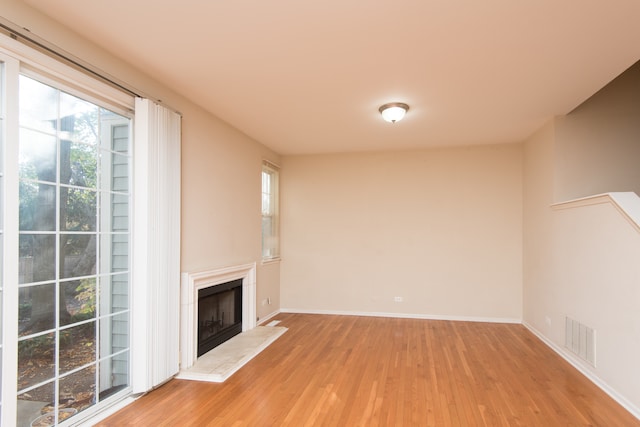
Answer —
190 283
627 203
512 320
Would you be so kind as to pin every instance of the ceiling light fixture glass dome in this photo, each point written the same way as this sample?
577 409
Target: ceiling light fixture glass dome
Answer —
393 111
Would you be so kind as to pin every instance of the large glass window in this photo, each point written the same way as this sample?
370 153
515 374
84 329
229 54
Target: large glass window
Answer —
73 274
66 204
270 218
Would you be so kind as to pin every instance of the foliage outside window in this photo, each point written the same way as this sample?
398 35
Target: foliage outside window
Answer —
270 219
73 314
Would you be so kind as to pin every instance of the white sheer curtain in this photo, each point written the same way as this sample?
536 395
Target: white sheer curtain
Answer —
156 246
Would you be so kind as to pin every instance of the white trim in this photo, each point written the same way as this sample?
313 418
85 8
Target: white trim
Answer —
405 315
268 317
271 164
10 239
62 73
31 42
627 203
191 283
583 369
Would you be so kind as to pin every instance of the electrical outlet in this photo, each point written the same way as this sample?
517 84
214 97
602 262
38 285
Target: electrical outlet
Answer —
547 320
397 299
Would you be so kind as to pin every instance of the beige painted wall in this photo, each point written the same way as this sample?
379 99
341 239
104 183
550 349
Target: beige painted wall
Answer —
596 275
440 228
598 144
538 287
582 262
221 167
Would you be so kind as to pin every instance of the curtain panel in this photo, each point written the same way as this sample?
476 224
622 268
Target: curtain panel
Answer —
156 246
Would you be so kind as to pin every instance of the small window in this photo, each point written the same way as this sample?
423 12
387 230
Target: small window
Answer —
270 220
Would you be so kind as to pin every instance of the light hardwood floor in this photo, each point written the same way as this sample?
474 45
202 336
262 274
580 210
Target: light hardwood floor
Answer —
368 371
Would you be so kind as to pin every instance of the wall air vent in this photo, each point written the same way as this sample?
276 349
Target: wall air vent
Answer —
580 340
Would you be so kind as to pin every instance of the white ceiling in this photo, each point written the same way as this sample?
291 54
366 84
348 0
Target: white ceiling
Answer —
305 76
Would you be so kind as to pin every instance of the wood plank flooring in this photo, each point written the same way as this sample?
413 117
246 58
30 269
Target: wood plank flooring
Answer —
368 371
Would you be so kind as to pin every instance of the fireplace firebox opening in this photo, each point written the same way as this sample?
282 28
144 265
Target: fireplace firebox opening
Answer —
219 314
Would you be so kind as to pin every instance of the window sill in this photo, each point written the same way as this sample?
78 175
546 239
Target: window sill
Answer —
268 261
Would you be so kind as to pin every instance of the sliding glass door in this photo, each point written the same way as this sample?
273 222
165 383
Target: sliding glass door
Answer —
69 314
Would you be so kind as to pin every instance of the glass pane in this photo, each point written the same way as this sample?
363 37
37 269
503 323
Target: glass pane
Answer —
38 254
116 328
36 360
267 227
73 159
266 204
78 209
38 105
114 294
119 212
114 374
79 255
119 174
37 206
115 253
266 182
34 403
80 387
38 156
120 136
77 347
83 164
48 418
36 309
78 299
78 119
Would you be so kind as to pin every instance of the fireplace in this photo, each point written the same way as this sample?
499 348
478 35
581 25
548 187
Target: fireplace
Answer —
219 314
214 280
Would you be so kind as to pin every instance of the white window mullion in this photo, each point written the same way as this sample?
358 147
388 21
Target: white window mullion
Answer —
10 242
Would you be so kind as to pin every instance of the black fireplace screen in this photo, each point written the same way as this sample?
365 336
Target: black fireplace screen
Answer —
219 314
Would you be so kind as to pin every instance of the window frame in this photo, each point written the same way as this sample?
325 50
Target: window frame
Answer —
17 59
270 243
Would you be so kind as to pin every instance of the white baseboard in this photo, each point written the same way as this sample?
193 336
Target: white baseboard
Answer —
404 315
576 363
268 317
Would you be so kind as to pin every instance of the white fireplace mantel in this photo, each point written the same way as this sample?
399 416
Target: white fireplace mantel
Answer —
191 283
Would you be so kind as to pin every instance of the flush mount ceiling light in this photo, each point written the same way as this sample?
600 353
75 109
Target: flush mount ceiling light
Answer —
393 111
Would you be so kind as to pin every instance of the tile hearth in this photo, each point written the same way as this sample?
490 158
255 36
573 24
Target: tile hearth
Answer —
223 361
